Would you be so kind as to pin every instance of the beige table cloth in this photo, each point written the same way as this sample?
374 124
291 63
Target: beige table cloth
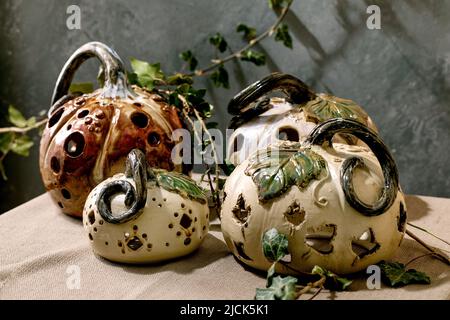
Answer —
42 250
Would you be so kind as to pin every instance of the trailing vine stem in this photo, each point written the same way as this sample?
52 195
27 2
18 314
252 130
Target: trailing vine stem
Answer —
237 54
214 192
420 257
317 284
428 232
24 129
438 255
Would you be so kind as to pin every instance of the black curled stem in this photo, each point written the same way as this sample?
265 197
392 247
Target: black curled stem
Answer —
135 197
323 134
115 84
244 106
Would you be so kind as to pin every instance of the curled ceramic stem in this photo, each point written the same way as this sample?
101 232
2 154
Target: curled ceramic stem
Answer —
115 84
295 90
323 134
135 197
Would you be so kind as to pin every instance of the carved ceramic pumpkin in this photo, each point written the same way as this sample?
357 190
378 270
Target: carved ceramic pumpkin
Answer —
339 205
261 121
145 215
88 136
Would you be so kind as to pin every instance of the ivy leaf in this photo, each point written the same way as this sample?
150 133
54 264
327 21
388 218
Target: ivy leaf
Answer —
5 142
16 117
395 274
227 167
333 281
181 184
275 170
281 288
325 107
83 87
249 33
189 57
275 245
175 100
278 4
283 35
212 125
178 79
259 59
21 145
148 75
219 42
220 78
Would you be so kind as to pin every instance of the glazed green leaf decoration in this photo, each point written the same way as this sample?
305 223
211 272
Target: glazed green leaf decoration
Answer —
333 281
220 78
395 274
181 184
282 288
275 170
275 245
83 87
189 57
148 75
325 107
283 35
249 33
257 58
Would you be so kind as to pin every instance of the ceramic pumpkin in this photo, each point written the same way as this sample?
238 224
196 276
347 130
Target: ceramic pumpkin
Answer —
339 205
88 136
145 215
260 120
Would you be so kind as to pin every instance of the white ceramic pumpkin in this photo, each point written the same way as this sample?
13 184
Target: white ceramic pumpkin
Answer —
261 120
338 207
145 215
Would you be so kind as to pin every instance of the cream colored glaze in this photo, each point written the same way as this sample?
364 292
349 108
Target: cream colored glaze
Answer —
262 131
158 222
324 203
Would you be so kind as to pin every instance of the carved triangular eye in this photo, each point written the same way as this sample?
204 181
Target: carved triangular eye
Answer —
365 244
320 238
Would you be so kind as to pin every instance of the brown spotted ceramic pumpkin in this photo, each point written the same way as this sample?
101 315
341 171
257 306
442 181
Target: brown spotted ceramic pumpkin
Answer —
88 136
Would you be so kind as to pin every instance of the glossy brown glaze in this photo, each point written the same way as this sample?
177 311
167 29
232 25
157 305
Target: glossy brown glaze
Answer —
89 137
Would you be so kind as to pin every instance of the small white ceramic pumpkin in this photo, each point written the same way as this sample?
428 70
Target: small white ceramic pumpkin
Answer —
145 215
261 120
338 207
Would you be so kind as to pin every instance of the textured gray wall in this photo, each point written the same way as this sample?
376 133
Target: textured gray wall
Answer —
400 74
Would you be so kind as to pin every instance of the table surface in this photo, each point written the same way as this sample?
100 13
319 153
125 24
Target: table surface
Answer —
41 249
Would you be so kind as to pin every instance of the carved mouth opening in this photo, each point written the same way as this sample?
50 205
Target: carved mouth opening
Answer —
288 134
241 211
320 238
240 251
365 244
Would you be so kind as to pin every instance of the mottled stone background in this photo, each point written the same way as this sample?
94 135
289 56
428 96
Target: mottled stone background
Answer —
400 74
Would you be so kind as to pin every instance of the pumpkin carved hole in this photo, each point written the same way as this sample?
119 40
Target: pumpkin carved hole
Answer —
320 238
240 250
365 244
74 144
139 119
55 117
185 221
401 219
153 139
238 143
65 193
83 114
288 134
240 211
91 217
54 164
295 214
